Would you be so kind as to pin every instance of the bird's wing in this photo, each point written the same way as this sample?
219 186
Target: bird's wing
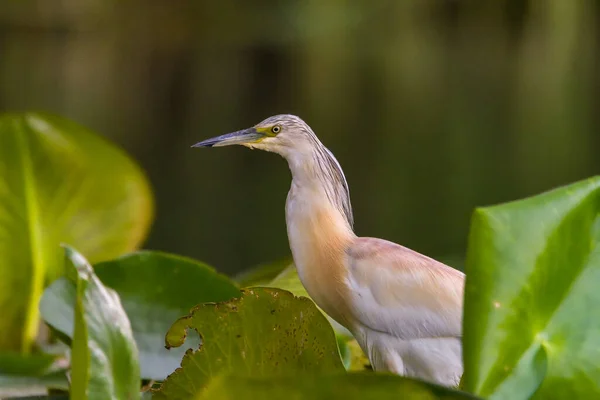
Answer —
400 292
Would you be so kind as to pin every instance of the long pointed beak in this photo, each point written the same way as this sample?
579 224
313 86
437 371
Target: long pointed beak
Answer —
240 137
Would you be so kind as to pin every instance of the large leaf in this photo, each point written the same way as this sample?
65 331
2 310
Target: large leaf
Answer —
155 290
351 386
104 357
532 317
59 183
267 332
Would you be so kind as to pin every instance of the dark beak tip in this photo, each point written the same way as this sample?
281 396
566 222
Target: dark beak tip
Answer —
202 144
237 137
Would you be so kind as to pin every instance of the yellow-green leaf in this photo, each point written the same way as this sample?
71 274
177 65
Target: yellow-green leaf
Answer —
59 183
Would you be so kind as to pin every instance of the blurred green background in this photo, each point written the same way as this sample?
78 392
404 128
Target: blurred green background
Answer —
432 107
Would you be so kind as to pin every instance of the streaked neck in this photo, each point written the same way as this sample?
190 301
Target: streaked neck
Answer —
320 174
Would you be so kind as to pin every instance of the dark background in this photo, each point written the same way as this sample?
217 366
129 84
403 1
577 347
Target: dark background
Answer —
432 107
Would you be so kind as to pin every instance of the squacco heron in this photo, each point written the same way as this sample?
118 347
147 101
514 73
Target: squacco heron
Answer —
403 308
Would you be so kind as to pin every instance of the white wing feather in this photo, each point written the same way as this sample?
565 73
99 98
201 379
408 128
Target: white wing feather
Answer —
403 293
407 310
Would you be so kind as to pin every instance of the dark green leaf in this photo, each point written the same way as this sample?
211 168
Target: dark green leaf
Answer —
59 183
351 386
12 363
155 290
266 332
104 357
532 309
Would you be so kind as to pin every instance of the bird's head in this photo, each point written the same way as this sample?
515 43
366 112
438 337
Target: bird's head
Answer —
280 134
309 161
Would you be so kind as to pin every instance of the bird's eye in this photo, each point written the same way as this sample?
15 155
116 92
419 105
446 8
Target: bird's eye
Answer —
276 129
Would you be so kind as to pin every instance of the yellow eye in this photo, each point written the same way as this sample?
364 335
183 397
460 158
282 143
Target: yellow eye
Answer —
276 129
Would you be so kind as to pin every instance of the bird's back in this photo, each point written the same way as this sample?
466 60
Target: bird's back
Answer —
407 310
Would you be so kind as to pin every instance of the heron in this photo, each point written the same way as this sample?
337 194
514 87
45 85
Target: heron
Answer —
403 308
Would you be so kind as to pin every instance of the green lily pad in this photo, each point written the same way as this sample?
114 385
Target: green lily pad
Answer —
532 308
265 333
